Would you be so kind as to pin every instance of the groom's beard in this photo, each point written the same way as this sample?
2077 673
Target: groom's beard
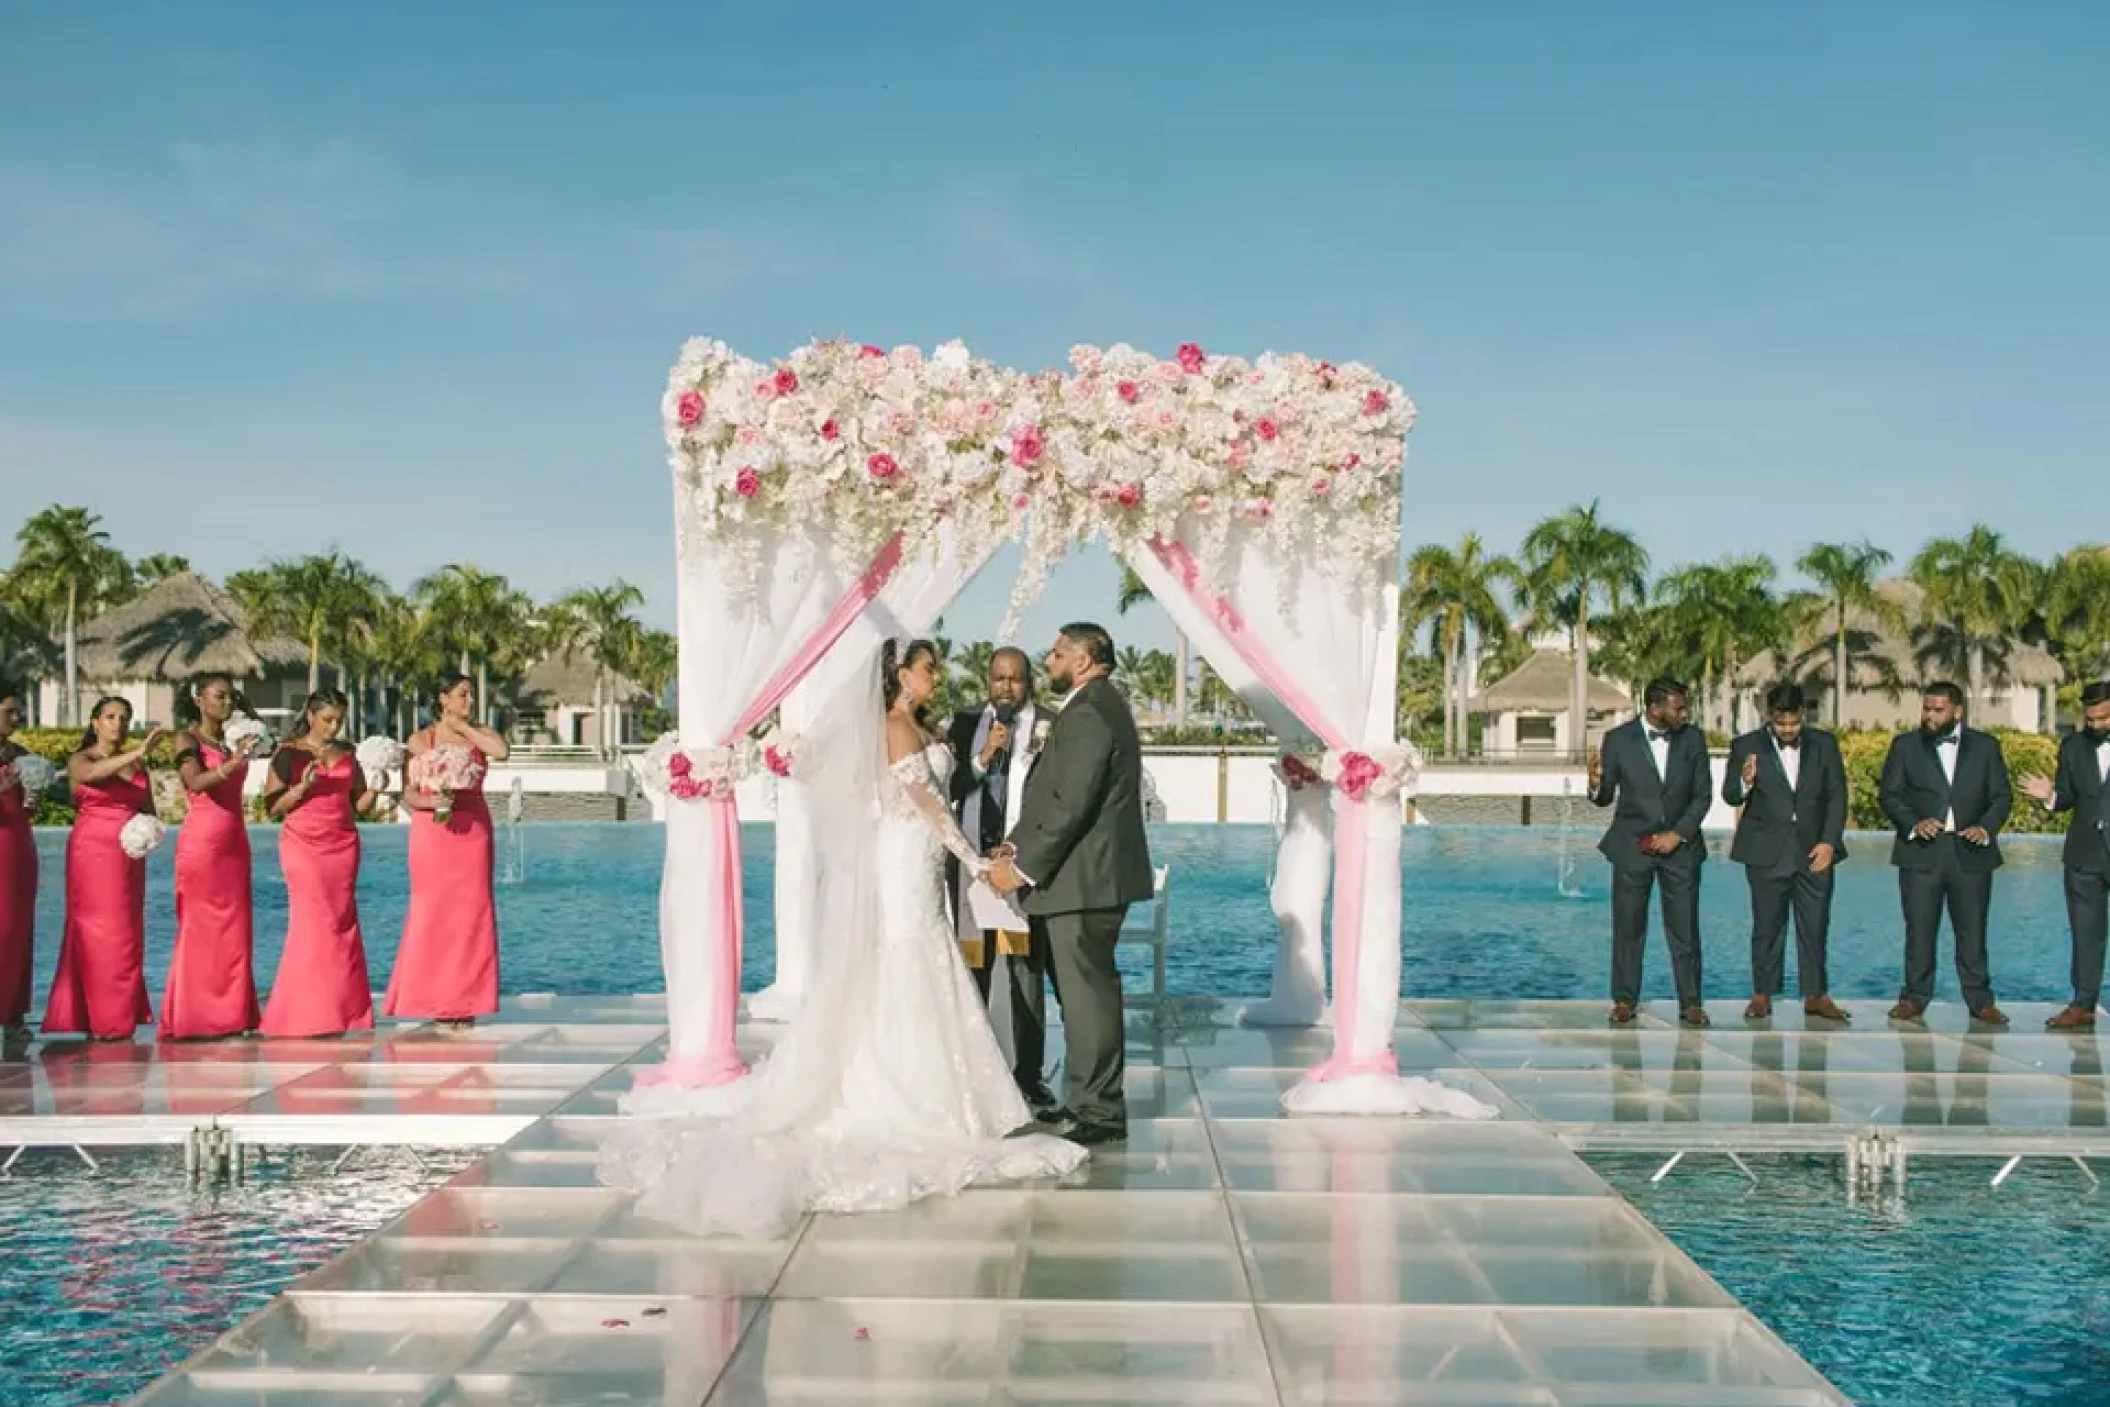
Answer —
1060 683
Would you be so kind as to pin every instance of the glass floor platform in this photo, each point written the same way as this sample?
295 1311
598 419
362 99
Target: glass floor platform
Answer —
1226 1254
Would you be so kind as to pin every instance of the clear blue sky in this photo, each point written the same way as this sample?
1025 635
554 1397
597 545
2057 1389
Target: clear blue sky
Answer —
406 277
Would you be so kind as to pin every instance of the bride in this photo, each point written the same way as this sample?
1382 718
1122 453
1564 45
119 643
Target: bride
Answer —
889 1086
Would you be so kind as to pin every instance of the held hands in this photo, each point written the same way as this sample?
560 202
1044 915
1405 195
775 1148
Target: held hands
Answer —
1976 835
1927 829
1003 875
1661 843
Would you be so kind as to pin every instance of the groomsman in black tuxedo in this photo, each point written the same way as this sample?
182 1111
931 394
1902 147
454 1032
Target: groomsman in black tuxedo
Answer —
2083 787
1946 790
1791 782
1655 769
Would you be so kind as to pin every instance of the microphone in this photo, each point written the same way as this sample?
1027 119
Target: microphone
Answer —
1006 714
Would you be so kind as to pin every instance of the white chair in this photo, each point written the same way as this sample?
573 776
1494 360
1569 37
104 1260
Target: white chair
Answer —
1156 922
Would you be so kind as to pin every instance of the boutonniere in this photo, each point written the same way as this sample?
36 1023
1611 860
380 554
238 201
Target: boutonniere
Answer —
1039 739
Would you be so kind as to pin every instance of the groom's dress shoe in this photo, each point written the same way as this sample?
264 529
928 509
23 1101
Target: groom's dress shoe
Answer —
1091 1135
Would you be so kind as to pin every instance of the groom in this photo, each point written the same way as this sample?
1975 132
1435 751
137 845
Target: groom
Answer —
1079 851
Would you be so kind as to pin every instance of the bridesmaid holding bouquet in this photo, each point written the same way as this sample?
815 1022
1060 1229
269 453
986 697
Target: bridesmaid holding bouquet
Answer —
18 880
100 987
317 788
447 968
211 988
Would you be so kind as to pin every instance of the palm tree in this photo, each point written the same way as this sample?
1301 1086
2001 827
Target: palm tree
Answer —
157 566
1977 593
971 669
1730 614
66 571
654 658
1453 593
478 618
1572 561
2076 613
1135 593
1846 575
324 600
596 622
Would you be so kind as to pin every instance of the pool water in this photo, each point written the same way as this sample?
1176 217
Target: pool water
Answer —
110 1278
1485 914
1961 1293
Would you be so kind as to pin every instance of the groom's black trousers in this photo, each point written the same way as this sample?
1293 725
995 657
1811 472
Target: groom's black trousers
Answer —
1080 948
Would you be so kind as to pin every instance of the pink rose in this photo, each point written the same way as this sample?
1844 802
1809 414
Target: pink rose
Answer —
882 467
1128 495
1190 358
1357 774
1322 485
869 352
748 483
1297 774
777 762
1168 373
1375 403
689 409
1260 509
1266 428
748 435
1349 463
786 381
1021 503
1241 455
829 431
1027 446
1166 420
679 765
1202 502
1326 371
1128 391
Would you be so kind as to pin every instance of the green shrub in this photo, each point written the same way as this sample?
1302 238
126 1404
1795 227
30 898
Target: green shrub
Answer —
2025 753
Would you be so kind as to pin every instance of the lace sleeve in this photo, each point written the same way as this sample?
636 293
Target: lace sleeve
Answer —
919 787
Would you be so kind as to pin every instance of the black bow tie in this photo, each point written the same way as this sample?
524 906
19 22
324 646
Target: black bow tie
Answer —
1948 737
1785 746
1656 737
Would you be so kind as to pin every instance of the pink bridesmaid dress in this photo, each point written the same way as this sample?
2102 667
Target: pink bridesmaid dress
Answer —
447 968
321 988
211 988
101 985
18 905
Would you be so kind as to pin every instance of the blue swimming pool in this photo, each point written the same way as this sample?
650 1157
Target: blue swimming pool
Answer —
1959 1295
1485 914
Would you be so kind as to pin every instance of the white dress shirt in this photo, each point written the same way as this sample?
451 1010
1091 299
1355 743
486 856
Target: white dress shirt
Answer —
1658 748
1946 748
1790 762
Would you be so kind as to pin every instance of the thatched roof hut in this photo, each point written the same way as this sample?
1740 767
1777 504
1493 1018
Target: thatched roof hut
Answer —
1883 658
1541 684
181 626
566 680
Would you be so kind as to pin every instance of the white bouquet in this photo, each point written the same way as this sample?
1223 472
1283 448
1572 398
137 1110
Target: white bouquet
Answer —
142 836
246 736
36 774
378 756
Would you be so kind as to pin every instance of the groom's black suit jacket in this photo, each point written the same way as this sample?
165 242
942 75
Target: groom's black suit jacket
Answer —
1648 803
1080 836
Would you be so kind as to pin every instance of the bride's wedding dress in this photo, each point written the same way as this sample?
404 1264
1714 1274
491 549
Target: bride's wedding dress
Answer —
889 1086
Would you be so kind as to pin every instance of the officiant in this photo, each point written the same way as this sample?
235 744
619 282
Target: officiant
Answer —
992 747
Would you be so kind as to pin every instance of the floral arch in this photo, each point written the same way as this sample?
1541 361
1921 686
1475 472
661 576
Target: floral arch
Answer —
847 493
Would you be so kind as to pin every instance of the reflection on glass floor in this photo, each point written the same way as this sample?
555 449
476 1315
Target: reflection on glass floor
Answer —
1224 1255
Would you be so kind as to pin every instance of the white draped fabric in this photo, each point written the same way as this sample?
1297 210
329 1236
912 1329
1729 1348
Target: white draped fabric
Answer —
908 606
1331 658
740 654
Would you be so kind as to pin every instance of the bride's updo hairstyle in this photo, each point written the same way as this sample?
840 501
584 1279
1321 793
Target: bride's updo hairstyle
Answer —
895 657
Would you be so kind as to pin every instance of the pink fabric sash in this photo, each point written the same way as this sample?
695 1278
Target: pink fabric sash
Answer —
1351 819
717 1060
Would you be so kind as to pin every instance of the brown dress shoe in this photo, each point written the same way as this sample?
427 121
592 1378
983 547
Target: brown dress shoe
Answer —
2073 1018
1825 1009
1761 1007
1907 1010
1622 1013
1989 1015
1694 1016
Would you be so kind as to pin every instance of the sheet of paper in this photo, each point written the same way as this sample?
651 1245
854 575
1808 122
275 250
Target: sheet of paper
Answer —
992 910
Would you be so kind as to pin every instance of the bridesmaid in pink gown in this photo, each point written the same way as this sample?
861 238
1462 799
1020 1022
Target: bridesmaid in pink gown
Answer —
18 884
447 968
101 985
211 989
317 788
